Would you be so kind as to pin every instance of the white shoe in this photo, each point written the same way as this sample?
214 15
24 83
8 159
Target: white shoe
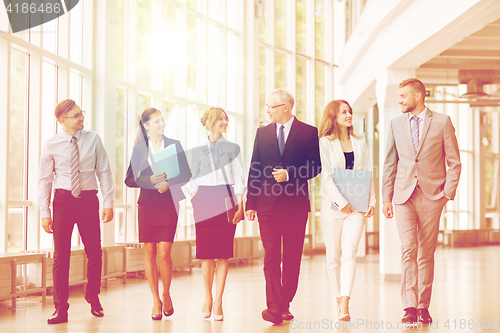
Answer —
218 318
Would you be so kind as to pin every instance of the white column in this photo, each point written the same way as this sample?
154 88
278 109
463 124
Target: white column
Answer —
387 87
35 100
4 139
251 92
104 89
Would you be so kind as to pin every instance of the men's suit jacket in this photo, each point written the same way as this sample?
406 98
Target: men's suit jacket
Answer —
403 167
301 160
139 173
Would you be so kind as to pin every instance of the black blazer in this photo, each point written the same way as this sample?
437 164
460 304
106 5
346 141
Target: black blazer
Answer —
139 173
301 160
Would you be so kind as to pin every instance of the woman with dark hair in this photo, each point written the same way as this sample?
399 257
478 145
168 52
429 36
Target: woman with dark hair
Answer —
342 226
158 204
218 181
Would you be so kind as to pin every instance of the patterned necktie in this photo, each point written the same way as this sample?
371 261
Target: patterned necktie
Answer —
281 139
414 132
75 169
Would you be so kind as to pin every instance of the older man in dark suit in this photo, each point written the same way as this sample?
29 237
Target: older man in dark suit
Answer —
285 157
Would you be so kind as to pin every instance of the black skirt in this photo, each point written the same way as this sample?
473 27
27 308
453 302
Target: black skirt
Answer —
214 234
157 217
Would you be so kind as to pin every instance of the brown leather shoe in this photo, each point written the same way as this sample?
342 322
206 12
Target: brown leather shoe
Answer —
272 316
95 306
287 315
424 316
58 317
410 315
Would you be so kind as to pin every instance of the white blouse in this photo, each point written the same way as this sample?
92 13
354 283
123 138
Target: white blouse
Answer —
152 150
203 166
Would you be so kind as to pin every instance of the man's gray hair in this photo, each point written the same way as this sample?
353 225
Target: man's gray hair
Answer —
284 96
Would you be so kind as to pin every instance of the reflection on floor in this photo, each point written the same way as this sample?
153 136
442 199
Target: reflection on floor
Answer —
466 294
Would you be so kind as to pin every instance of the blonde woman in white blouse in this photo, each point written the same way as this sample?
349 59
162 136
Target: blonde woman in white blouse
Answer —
217 175
342 225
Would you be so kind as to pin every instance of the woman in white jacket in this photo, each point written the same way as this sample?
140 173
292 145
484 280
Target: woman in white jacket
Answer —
342 225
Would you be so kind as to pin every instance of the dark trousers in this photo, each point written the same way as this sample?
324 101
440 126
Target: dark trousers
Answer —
279 230
83 211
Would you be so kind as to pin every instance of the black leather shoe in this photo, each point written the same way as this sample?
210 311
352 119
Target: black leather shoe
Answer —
424 316
287 315
95 306
58 317
410 316
272 316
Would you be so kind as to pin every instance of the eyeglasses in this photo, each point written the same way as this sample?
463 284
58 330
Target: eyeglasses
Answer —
272 107
77 115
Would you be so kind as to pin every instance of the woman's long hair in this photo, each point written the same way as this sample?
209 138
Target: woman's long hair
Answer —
328 126
142 134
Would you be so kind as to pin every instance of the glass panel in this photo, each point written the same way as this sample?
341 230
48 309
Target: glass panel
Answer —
75 88
347 19
143 102
232 15
196 132
76 34
195 4
4 21
301 91
120 39
17 112
281 70
144 22
465 126
262 23
317 201
15 230
488 135
171 112
213 65
193 51
262 82
320 92
120 225
170 57
465 186
320 16
488 184
214 9
301 26
232 72
121 101
49 100
281 21
50 31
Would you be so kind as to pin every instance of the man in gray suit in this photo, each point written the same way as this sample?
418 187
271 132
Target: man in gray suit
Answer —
420 144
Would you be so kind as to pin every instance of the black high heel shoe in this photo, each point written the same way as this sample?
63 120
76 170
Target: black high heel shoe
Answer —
170 312
157 317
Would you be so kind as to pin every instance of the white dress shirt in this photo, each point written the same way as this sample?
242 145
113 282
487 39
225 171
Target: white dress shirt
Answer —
288 126
204 173
55 168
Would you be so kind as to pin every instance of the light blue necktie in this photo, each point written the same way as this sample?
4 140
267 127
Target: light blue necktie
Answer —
414 132
281 139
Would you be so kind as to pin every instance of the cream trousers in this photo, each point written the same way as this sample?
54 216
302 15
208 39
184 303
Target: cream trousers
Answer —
341 233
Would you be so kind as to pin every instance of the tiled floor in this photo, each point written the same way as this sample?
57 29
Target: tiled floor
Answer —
466 292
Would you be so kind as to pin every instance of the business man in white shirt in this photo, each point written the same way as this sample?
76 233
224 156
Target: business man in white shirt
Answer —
70 162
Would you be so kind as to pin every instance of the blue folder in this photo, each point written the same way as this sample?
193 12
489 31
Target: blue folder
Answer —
166 161
354 185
